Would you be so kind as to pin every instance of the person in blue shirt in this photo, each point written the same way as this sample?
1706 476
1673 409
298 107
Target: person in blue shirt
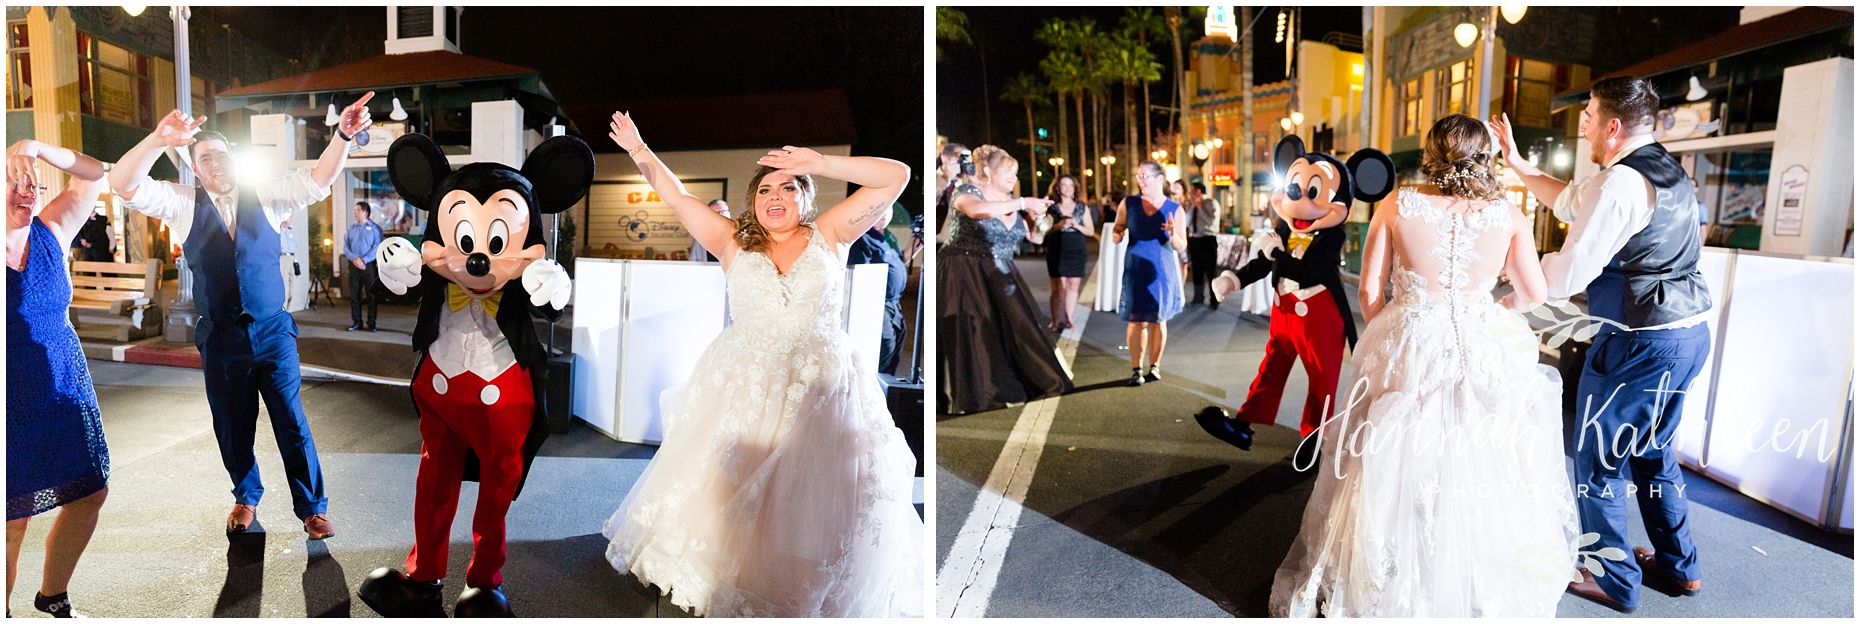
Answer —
359 245
872 248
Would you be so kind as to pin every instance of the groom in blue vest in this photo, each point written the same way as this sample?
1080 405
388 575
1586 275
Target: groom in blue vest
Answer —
1633 246
248 343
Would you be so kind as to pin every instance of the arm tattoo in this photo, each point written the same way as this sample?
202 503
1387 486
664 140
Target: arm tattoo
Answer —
865 218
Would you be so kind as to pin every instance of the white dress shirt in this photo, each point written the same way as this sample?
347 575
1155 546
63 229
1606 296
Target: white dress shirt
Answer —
1603 211
469 340
173 203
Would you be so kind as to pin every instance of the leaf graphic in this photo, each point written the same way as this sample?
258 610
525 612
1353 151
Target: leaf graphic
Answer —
1612 554
1594 565
1586 539
1543 312
1587 332
1568 308
1575 577
1559 338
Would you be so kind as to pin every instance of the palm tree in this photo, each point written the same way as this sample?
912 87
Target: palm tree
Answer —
1064 71
1141 23
952 26
1130 62
1029 91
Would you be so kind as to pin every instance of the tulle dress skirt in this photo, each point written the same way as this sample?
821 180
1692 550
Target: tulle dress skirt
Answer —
783 488
1442 492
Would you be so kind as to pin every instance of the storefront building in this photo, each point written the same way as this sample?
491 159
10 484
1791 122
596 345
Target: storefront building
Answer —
478 110
107 97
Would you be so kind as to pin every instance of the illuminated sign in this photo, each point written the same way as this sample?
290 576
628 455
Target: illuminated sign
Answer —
1222 175
630 220
1220 21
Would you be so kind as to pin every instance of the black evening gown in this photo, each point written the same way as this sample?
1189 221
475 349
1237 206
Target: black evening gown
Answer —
991 348
1066 250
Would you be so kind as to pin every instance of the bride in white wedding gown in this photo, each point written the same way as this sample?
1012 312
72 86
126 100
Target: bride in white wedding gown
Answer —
1442 490
782 488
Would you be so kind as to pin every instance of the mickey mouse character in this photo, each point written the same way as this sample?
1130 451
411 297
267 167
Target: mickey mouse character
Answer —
480 417
1304 251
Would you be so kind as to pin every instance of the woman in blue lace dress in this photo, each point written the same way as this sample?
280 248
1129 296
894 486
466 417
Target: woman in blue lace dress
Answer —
991 348
55 453
1152 270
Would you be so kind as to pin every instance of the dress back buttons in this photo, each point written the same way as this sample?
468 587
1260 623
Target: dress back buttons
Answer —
488 395
1300 308
439 383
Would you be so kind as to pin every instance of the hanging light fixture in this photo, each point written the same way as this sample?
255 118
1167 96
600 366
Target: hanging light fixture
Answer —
133 11
1512 12
1465 34
1298 118
1697 92
332 118
399 114
1285 123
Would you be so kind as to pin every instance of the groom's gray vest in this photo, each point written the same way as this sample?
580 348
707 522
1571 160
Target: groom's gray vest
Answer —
1654 279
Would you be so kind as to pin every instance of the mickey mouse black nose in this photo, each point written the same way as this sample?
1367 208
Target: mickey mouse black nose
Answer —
478 264
1293 192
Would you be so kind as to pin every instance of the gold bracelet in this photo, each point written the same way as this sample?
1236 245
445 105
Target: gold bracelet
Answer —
635 151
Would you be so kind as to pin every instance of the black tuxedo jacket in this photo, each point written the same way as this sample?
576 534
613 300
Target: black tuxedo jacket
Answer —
513 318
1319 266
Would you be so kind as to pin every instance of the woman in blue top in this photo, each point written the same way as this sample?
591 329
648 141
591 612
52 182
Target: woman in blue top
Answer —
1152 276
55 453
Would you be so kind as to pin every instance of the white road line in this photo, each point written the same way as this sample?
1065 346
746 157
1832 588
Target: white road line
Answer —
967 578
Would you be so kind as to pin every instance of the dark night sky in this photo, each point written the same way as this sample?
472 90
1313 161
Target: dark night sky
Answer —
1007 36
605 54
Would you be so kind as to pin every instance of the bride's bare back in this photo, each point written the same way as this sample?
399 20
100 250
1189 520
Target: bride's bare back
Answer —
1450 247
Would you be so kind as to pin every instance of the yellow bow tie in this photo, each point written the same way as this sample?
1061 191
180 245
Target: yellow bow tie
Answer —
457 298
1298 243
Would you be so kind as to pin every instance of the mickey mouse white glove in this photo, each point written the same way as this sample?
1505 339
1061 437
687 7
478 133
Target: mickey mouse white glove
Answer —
1265 241
398 264
548 282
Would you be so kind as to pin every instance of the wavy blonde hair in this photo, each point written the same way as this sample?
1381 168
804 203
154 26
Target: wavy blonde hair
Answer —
1458 159
750 235
989 158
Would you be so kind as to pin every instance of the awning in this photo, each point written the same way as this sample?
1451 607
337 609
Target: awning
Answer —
1758 34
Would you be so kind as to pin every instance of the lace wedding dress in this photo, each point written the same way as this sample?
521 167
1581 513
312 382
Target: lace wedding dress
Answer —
1448 496
782 488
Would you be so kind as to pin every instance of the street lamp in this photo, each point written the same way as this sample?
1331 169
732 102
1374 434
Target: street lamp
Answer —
133 11
1107 160
1465 34
1200 151
1512 12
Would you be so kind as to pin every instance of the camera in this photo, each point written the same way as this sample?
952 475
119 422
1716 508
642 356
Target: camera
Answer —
965 163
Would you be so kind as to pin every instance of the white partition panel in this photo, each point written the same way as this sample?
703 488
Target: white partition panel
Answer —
600 286
1781 401
865 308
640 325
1691 437
673 312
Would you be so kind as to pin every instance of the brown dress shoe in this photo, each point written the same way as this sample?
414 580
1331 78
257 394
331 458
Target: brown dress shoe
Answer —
241 518
1589 590
317 526
1650 569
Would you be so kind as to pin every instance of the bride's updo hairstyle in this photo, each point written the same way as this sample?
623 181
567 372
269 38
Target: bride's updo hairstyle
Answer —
1458 159
990 159
750 235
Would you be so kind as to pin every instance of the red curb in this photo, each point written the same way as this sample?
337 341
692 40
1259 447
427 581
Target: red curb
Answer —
187 357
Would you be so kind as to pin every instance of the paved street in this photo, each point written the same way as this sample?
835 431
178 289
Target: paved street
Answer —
161 551
1132 511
